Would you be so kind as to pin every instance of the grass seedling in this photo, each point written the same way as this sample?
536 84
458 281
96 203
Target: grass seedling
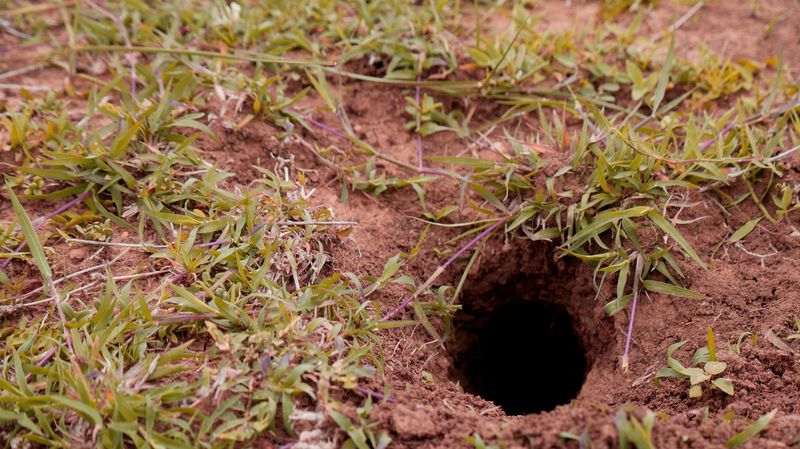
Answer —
710 371
361 435
796 335
632 432
477 442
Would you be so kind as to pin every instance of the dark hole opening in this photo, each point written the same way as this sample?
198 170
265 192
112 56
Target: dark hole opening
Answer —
523 356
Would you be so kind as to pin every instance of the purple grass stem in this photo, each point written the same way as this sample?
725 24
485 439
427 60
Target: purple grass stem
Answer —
719 136
444 266
374 394
637 276
630 329
325 127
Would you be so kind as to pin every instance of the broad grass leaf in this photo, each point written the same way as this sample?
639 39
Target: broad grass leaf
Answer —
50 173
701 355
622 279
181 220
524 215
479 57
674 363
751 431
724 384
745 229
188 121
696 375
6 415
392 324
618 304
669 372
548 234
669 289
355 433
488 196
604 219
663 78
320 83
426 323
123 141
713 367
463 161
84 409
634 73
670 230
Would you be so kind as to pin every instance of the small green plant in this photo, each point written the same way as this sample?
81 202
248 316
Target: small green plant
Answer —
477 442
97 230
612 8
788 200
710 372
429 117
33 185
17 128
796 335
361 434
750 431
631 431
584 440
641 84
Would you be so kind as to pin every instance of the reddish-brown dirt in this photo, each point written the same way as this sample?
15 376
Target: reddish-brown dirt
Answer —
743 292
752 287
430 407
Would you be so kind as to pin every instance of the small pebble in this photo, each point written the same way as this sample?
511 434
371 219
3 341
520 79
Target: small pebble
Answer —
78 253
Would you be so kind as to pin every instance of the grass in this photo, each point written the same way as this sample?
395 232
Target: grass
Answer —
709 373
242 329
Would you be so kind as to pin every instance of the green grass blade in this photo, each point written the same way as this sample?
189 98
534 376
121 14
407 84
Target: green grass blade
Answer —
663 78
670 230
669 289
751 431
746 228
30 236
89 412
712 346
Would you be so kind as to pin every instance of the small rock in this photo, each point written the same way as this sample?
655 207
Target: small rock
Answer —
78 253
98 67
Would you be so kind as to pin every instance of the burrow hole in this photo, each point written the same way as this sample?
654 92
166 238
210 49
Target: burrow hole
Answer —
515 344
